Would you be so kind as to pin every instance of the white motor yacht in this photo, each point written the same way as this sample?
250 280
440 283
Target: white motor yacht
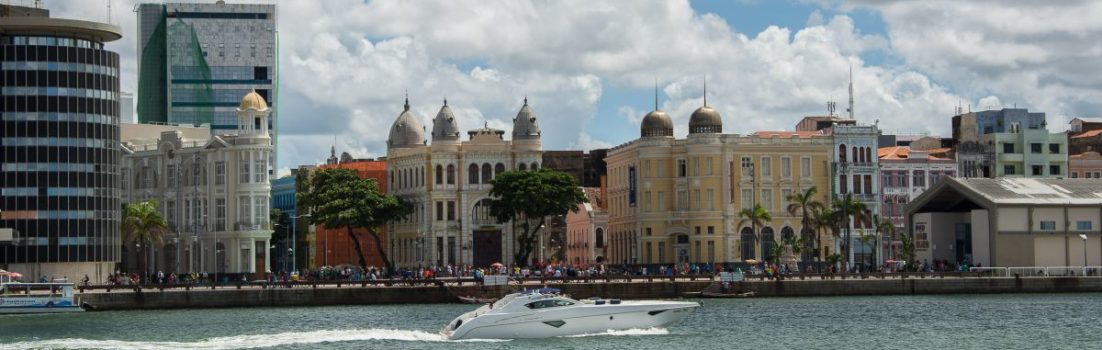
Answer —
545 313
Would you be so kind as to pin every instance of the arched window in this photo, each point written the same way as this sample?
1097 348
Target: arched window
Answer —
535 166
498 169
856 156
472 174
390 180
747 237
767 242
842 153
451 174
787 233
522 167
487 173
481 213
600 238
439 175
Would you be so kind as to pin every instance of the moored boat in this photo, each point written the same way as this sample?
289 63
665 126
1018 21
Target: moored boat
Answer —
22 298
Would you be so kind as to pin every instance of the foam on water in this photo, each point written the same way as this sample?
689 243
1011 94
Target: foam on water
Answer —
627 332
251 341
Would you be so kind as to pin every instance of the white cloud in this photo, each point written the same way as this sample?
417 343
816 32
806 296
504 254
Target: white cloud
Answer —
347 63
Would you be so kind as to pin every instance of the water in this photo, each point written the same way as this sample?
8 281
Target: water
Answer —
1029 321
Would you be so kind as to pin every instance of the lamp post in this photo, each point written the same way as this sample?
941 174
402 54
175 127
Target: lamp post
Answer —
294 235
291 255
1084 237
541 243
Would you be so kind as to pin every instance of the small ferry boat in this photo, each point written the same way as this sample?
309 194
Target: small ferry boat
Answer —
23 298
546 313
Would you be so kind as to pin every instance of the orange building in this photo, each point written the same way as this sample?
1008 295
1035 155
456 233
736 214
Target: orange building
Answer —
333 246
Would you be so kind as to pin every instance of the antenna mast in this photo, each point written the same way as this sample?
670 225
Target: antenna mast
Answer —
850 109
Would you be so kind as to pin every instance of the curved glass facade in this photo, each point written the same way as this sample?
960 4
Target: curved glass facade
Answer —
59 136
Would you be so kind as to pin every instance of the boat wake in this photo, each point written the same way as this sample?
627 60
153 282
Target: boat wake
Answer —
252 341
626 332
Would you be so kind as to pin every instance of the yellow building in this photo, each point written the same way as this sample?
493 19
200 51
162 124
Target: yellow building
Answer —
677 200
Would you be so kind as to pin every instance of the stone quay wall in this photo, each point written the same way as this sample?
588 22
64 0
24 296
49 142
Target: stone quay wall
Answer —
355 294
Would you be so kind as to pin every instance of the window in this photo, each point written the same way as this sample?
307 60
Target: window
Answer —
487 173
1083 225
697 253
1034 148
747 198
1037 170
661 200
170 213
451 174
696 166
681 168
805 167
439 175
648 231
843 185
708 161
856 183
696 230
1074 175
243 210
170 176
766 167
711 251
920 178
261 170
439 210
767 199
451 210
220 214
543 304
747 167
220 173
868 184
696 200
682 200
711 230
747 243
650 257
260 210
785 193
786 167
472 174
1054 170
1048 225
498 169
1008 170
1008 147
243 177
661 252
711 199
1054 148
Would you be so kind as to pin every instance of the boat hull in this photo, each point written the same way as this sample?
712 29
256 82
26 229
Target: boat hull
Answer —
589 319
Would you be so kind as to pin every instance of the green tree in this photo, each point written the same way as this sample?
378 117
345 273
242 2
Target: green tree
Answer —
756 216
824 219
340 198
907 248
143 224
803 204
527 198
848 207
775 252
884 230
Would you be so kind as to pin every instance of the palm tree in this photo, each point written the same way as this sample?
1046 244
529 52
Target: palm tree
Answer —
824 219
142 223
756 216
802 204
775 252
847 207
884 229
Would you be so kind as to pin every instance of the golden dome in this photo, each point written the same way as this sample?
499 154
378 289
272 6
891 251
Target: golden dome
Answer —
253 100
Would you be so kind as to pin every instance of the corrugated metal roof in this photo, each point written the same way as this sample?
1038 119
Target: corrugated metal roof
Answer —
1036 191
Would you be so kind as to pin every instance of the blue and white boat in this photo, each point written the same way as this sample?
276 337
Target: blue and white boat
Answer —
25 298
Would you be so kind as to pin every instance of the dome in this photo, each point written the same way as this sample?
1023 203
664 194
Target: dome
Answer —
253 100
657 123
525 125
444 127
705 120
406 130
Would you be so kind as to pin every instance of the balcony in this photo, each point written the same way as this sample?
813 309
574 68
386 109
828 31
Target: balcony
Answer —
250 226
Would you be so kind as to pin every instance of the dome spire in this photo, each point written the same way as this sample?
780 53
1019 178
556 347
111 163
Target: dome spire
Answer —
525 99
445 100
407 99
705 89
656 94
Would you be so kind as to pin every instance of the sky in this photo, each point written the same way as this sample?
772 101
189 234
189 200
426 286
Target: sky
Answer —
590 69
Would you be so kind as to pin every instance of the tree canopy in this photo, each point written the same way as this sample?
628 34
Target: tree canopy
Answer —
142 223
340 198
527 198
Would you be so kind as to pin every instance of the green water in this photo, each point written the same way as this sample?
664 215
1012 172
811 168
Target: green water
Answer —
1033 321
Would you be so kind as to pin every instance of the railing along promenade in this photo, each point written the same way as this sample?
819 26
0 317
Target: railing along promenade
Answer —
536 281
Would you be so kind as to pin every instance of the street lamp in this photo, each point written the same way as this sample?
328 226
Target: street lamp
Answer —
1084 237
294 234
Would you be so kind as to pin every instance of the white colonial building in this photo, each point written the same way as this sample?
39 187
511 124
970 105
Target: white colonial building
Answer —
448 183
214 191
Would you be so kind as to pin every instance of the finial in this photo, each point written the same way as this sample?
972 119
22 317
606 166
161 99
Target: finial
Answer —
525 99
407 99
445 100
485 124
705 90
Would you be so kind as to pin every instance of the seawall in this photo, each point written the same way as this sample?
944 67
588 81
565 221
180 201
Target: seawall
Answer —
358 295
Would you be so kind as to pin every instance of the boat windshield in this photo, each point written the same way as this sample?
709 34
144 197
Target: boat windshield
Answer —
543 304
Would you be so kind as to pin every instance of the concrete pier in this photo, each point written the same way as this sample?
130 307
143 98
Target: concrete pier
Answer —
306 295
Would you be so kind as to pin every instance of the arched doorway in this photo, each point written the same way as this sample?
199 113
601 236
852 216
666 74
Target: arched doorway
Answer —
767 242
747 238
681 248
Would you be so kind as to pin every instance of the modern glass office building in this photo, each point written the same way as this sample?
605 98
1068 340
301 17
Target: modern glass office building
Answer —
59 136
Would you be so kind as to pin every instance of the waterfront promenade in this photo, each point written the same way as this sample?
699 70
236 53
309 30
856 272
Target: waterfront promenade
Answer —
259 294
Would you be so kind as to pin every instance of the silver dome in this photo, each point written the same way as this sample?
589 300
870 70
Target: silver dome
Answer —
406 131
444 126
525 125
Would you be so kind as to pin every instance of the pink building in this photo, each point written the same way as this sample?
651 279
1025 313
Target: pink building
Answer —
904 174
1086 165
585 230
